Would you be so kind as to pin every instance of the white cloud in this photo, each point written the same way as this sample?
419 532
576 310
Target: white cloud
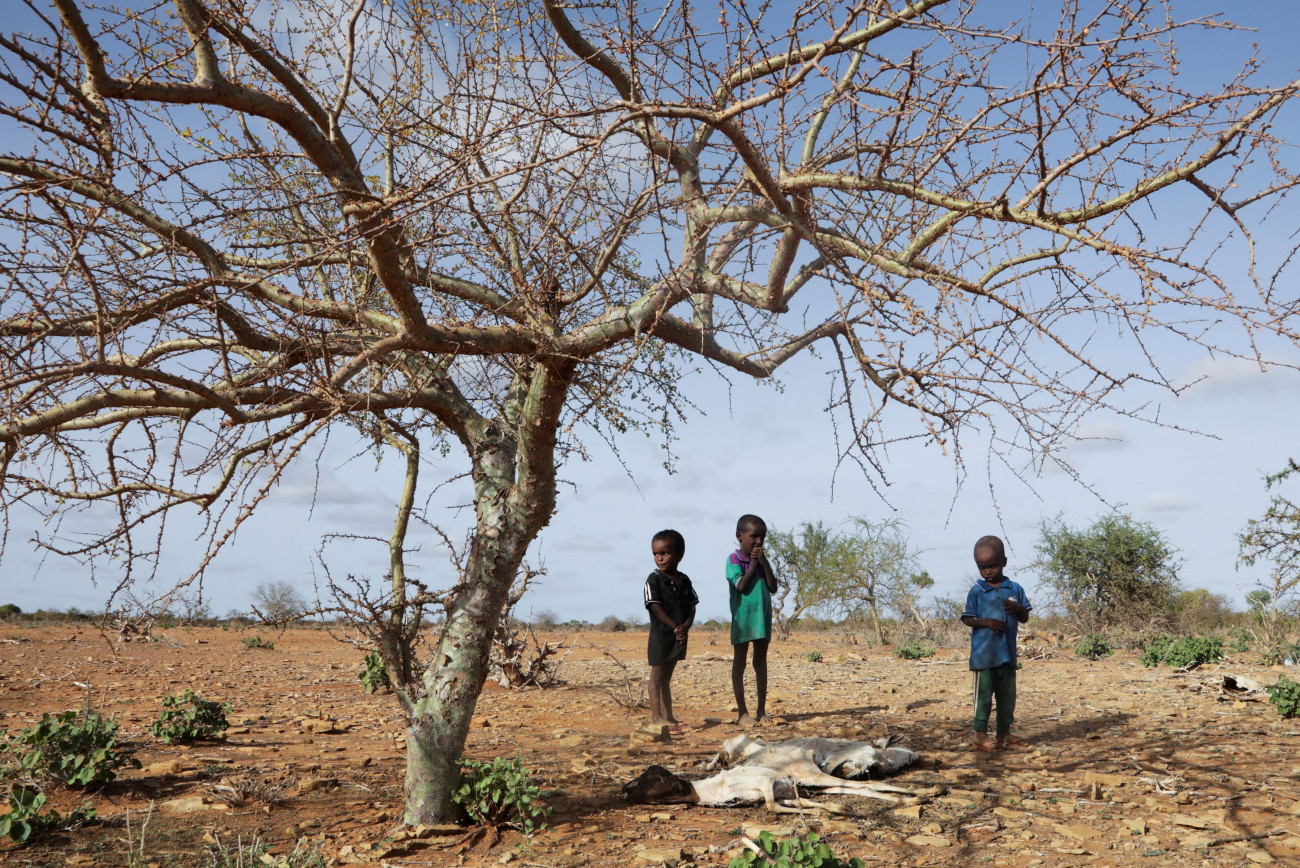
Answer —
584 543
322 486
1230 377
1169 501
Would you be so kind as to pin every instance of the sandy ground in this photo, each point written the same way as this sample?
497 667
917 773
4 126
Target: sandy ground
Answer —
1124 765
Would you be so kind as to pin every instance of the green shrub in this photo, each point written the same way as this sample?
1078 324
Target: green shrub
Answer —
1280 653
792 852
914 650
1185 653
8 610
500 793
25 820
258 642
813 656
1240 641
1094 647
72 749
1286 696
374 676
203 720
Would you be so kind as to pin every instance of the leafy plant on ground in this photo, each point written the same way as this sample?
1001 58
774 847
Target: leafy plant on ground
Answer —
257 642
1094 647
202 720
1240 641
1185 653
813 656
374 676
791 852
71 748
501 793
25 820
1286 696
914 650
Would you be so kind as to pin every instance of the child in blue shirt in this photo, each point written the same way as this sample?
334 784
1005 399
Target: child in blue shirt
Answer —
995 608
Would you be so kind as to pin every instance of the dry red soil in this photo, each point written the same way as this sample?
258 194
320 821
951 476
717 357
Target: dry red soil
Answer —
1123 766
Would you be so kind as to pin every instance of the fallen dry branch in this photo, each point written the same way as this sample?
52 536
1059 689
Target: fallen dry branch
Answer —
631 696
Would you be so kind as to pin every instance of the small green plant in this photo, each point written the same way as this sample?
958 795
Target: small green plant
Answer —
1286 696
25 820
72 749
1185 653
202 720
792 852
1093 647
813 656
257 642
917 649
1240 641
374 676
500 793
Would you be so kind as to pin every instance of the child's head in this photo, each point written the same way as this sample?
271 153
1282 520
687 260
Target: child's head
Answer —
750 532
990 558
668 548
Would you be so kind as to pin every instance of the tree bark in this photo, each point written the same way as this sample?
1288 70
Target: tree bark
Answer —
440 718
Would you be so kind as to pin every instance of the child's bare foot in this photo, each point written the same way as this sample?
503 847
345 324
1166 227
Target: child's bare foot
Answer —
745 720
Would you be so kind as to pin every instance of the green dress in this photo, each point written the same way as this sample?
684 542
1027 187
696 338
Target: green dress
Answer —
751 613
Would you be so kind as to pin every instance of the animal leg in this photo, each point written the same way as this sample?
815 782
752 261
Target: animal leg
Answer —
859 791
798 806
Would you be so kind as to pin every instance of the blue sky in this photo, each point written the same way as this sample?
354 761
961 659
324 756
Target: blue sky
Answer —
759 448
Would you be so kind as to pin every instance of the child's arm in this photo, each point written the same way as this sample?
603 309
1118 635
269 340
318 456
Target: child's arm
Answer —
1015 607
684 627
746 581
661 614
992 623
769 575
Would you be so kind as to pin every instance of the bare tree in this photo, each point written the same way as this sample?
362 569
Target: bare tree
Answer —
278 602
230 231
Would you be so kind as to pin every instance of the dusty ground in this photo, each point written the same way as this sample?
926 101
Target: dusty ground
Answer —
1125 766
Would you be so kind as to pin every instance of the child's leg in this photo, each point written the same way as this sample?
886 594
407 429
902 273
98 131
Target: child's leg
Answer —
1005 695
666 691
658 686
760 675
739 652
983 690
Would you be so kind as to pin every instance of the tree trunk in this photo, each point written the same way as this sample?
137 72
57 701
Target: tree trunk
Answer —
440 719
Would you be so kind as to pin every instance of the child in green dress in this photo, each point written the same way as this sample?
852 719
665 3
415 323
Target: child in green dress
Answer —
751 583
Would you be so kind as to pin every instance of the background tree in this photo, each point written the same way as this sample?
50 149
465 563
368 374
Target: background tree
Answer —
905 599
278 602
1115 572
803 560
848 575
1274 538
483 230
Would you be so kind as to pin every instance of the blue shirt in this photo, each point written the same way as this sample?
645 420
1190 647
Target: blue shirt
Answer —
988 650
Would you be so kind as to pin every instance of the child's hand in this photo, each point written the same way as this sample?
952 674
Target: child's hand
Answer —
757 554
679 633
1013 606
995 625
